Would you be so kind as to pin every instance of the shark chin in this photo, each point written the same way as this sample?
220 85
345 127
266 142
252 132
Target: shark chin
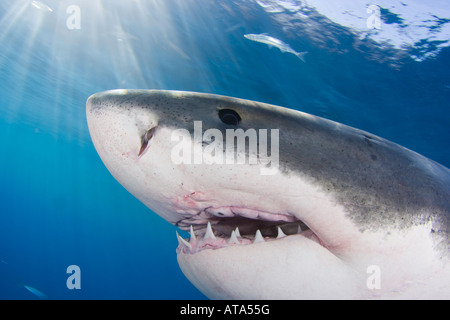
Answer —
279 204
269 269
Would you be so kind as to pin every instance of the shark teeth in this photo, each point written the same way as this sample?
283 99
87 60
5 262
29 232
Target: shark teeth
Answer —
238 234
183 242
209 233
281 234
192 234
211 241
233 238
258 237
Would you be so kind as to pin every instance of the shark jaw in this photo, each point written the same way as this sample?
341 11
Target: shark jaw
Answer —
314 252
285 268
285 259
209 240
237 226
275 256
303 233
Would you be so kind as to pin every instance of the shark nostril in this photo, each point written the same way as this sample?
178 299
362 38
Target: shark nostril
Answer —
145 139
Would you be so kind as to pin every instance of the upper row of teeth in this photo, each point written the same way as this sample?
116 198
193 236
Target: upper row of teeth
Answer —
234 238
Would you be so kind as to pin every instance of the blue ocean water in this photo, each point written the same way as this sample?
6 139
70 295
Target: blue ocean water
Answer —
59 206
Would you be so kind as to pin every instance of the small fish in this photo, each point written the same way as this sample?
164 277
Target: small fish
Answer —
274 42
41 6
36 292
121 35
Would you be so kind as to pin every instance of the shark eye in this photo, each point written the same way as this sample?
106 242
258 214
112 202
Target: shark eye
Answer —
229 116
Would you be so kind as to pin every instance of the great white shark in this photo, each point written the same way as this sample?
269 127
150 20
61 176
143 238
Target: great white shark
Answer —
345 215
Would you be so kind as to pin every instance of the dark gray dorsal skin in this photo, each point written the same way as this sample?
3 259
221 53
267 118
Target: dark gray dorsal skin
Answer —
380 185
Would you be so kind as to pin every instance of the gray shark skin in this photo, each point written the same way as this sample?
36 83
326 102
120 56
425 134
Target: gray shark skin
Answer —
347 215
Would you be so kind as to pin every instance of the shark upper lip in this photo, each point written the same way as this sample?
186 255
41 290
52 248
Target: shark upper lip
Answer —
215 232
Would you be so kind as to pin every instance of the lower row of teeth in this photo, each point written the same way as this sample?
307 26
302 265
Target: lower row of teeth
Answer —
210 241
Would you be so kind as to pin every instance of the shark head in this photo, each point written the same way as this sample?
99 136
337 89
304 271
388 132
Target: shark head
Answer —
279 204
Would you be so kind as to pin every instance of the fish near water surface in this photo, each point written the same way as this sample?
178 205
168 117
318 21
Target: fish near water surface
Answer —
274 42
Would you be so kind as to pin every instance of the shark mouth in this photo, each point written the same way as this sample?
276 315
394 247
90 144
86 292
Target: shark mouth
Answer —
219 230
